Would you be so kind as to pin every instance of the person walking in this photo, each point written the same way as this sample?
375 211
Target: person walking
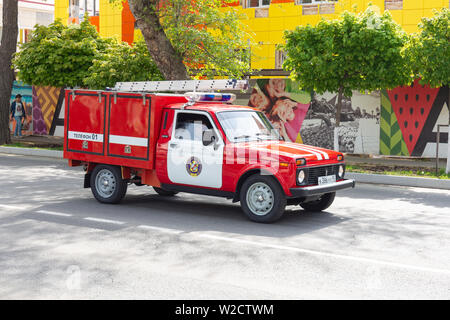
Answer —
18 114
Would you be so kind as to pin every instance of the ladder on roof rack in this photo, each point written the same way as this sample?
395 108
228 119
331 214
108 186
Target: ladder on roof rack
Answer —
181 85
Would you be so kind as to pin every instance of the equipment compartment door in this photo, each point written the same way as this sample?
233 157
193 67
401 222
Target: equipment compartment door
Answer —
129 127
86 122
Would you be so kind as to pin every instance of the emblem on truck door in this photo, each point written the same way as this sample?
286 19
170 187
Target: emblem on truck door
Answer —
127 149
85 144
194 167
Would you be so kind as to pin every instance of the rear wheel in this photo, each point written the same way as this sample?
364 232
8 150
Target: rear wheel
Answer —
320 204
164 192
107 184
262 199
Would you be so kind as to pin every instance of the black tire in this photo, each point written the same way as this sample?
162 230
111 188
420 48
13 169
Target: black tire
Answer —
116 187
273 211
321 204
164 192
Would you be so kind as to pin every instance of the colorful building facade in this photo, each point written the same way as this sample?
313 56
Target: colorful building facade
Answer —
267 19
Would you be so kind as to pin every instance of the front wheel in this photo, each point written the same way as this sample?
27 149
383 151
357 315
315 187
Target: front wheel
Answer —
320 204
107 184
262 199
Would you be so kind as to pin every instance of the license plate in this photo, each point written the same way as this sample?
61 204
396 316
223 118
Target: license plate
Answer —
327 179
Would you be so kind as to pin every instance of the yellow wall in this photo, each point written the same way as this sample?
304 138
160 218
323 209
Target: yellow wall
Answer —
286 16
62 10
281 16
110 19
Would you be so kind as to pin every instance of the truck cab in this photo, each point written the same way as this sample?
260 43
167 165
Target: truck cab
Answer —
201 143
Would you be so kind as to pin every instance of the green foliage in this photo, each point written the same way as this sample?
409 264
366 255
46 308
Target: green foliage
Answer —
211 40
357 52
121 62
429 50
58 55
75 55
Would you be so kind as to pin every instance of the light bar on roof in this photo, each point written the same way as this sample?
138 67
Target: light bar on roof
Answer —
209 97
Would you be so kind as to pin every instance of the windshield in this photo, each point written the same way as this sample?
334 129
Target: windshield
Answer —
247 125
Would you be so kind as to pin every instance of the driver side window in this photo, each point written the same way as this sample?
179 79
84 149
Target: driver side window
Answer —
191 126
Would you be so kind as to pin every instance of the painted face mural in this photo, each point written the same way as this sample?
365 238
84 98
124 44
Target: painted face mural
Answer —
194 167
283 103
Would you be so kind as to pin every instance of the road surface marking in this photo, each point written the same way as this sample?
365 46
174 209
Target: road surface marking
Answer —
54 213
160 229
104 220
326 254
6 206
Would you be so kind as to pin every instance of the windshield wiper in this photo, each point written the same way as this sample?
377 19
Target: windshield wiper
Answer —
265 134
242 137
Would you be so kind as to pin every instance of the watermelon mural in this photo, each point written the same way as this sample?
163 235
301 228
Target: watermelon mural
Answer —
412 111
391 138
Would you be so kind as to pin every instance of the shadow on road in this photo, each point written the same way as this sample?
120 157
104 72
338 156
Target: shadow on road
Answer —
186 213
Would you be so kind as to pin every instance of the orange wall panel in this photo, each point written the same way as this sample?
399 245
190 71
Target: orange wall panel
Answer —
127 24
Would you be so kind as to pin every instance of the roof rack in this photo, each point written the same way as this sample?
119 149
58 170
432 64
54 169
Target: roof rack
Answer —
181 85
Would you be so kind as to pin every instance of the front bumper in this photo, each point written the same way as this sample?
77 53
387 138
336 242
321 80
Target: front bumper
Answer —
317 190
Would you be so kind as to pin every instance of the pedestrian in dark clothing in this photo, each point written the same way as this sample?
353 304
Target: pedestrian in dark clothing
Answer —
18 114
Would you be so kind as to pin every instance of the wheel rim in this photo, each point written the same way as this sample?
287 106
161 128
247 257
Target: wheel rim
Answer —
105 183
260 198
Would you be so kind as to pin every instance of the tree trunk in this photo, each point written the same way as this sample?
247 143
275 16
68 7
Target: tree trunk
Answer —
339 106
7 48
170 63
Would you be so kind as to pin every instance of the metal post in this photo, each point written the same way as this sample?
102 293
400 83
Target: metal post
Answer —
447 170
438 138
437 147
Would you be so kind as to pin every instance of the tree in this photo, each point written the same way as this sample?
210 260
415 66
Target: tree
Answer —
121 62
186 36
58 55
75 55
7 49
430 50
363 52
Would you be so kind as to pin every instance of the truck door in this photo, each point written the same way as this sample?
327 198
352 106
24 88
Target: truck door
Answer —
189 160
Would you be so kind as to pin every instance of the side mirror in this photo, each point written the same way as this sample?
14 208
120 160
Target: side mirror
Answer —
208 137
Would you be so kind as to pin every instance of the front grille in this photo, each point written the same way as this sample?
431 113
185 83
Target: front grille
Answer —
315 172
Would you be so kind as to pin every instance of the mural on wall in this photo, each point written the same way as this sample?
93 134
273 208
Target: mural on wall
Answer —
284 105
26 92
45 101
409 118
310 118
358 132
400 122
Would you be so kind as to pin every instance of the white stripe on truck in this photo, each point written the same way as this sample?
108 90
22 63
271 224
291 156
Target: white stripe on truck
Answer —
130 141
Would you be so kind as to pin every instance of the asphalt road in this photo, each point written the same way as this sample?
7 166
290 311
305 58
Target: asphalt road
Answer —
56 241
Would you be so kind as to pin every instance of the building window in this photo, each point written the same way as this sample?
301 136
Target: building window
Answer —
311 7
393 4
77 9
300 2
257 3
280 56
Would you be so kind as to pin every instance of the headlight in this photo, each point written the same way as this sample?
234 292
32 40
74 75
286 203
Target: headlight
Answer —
301 177
341 171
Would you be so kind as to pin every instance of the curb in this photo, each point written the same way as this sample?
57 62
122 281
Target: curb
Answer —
399 180
32 152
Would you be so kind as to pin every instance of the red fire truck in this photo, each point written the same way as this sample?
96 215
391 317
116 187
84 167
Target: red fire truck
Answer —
196 142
